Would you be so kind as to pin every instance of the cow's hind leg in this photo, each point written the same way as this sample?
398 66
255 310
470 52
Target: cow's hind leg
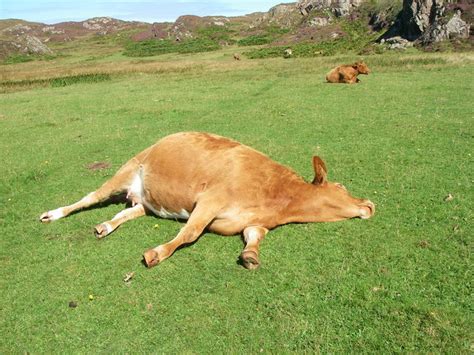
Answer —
119 183
252 237
103 229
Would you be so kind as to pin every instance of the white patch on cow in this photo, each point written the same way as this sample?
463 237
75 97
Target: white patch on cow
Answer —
163 213
136 195
364 213
252 236
183 214
135 190
108 227
56 214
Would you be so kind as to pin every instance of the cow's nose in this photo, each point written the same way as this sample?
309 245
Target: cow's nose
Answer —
366 209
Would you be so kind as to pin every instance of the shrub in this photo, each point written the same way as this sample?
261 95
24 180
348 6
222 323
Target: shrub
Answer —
18 58
54 82
355 40
79 79
157 47
148 48
197 45
255 40
215 33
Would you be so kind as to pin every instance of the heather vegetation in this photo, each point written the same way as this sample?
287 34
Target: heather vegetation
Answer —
356 40
153 47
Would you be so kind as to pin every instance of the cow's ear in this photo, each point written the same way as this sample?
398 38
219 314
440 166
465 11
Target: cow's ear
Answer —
320 171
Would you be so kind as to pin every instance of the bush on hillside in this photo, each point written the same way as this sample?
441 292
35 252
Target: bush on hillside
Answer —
356 39
18 58
153 47
216 33
255 40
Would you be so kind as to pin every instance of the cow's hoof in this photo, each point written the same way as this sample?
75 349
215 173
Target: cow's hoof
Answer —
45 218
52 215
250 259
101 230
151 258
48 217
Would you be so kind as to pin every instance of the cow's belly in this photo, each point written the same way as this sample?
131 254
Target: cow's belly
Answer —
164 213
162 204
235 220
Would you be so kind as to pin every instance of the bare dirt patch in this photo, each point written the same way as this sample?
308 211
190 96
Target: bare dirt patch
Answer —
98 165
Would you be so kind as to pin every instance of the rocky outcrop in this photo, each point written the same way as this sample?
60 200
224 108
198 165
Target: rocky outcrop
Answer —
283 15
428 21
33 45
24 44
290 15
20 39
441 30
337 7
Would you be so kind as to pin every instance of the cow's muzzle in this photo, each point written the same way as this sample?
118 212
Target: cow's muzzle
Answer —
366 209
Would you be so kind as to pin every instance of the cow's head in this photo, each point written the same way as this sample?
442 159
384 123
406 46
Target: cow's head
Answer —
333 202
361 67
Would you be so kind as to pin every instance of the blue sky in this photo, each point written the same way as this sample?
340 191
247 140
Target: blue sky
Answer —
54 11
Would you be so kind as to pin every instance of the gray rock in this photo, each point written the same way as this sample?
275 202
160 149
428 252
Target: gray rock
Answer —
319 21
425 21
337 7
398 43
25 44
33 45
456 27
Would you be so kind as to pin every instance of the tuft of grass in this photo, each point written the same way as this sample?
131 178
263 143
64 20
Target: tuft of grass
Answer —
18 58
79 79
56 82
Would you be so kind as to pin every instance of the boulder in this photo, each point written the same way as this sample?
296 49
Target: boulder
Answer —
319 21
428 21
33 45
397 42
23 44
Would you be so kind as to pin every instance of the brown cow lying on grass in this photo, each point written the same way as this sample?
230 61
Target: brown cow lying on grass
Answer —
347 73
219 185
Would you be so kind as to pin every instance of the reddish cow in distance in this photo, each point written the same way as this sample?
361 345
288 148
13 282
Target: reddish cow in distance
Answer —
347 73
218 185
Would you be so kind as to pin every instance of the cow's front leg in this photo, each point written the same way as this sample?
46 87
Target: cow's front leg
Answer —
252 237
105 228
200 217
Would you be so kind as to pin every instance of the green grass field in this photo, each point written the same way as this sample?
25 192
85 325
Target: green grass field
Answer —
399 282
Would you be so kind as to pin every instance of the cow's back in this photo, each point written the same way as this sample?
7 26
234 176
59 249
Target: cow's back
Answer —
181 167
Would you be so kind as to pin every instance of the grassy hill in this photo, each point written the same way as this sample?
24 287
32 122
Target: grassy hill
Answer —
320 32
396 283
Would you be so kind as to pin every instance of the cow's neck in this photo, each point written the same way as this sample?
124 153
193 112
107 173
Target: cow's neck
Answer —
304 206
